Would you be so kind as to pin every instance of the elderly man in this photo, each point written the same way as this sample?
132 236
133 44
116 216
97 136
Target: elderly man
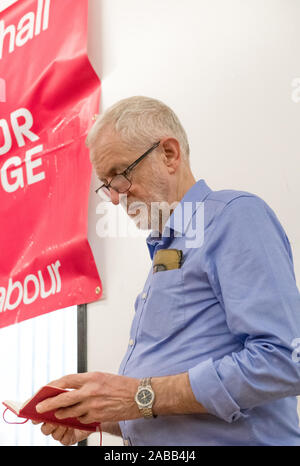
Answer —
211 359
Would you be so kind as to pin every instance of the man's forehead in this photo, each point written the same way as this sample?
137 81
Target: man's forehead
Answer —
109 156
112 149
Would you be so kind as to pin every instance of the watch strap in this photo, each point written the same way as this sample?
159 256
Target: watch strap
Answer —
146 382
147 412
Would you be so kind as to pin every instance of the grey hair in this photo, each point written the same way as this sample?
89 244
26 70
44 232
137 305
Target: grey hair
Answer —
141 120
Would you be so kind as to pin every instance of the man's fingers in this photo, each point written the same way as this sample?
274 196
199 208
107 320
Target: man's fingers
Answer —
69 438
70 381
59 432
73 436
73 411
60 401
47 428
85 419
65 435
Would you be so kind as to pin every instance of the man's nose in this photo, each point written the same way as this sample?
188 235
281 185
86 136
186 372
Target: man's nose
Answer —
115 196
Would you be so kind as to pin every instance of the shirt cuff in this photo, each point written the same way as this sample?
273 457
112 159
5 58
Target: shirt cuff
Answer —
211 393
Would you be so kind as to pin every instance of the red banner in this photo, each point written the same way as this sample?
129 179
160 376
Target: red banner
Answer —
48 96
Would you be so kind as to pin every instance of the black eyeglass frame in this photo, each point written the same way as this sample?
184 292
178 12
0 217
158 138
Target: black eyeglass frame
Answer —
128 170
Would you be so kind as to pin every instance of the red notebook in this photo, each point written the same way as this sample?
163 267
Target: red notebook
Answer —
27 410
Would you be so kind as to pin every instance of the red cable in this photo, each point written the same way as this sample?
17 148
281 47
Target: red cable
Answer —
7 422
100 435
26 420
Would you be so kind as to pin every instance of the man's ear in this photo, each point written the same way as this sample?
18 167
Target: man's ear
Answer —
172 154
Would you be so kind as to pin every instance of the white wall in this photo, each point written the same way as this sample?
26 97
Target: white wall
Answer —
226 68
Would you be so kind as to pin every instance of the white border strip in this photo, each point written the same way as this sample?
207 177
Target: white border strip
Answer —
6 3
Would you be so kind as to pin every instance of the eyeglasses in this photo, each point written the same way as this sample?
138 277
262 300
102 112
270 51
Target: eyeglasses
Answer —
120 183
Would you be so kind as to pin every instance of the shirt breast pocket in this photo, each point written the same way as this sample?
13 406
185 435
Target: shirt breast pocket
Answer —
163 312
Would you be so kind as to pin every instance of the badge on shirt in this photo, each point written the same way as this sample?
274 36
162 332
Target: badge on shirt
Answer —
167 259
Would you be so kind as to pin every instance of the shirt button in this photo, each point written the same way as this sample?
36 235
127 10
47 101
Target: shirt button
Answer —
131 342
144 295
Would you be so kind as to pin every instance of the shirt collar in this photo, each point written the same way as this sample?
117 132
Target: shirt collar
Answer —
181 216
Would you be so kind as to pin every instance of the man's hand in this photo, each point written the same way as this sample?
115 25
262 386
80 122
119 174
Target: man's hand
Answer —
65 435
97 397
108 398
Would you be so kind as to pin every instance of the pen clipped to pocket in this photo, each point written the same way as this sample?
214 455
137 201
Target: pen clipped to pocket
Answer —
167 259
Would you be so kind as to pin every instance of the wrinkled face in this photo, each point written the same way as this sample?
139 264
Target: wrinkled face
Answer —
150 178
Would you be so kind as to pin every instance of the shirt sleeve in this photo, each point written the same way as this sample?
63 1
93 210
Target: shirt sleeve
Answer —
251 272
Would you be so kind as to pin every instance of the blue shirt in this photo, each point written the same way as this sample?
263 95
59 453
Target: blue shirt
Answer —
230 317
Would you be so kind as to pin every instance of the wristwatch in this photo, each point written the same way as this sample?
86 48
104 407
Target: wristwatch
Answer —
144 398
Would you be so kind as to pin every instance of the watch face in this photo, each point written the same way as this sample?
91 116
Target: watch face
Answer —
144 396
